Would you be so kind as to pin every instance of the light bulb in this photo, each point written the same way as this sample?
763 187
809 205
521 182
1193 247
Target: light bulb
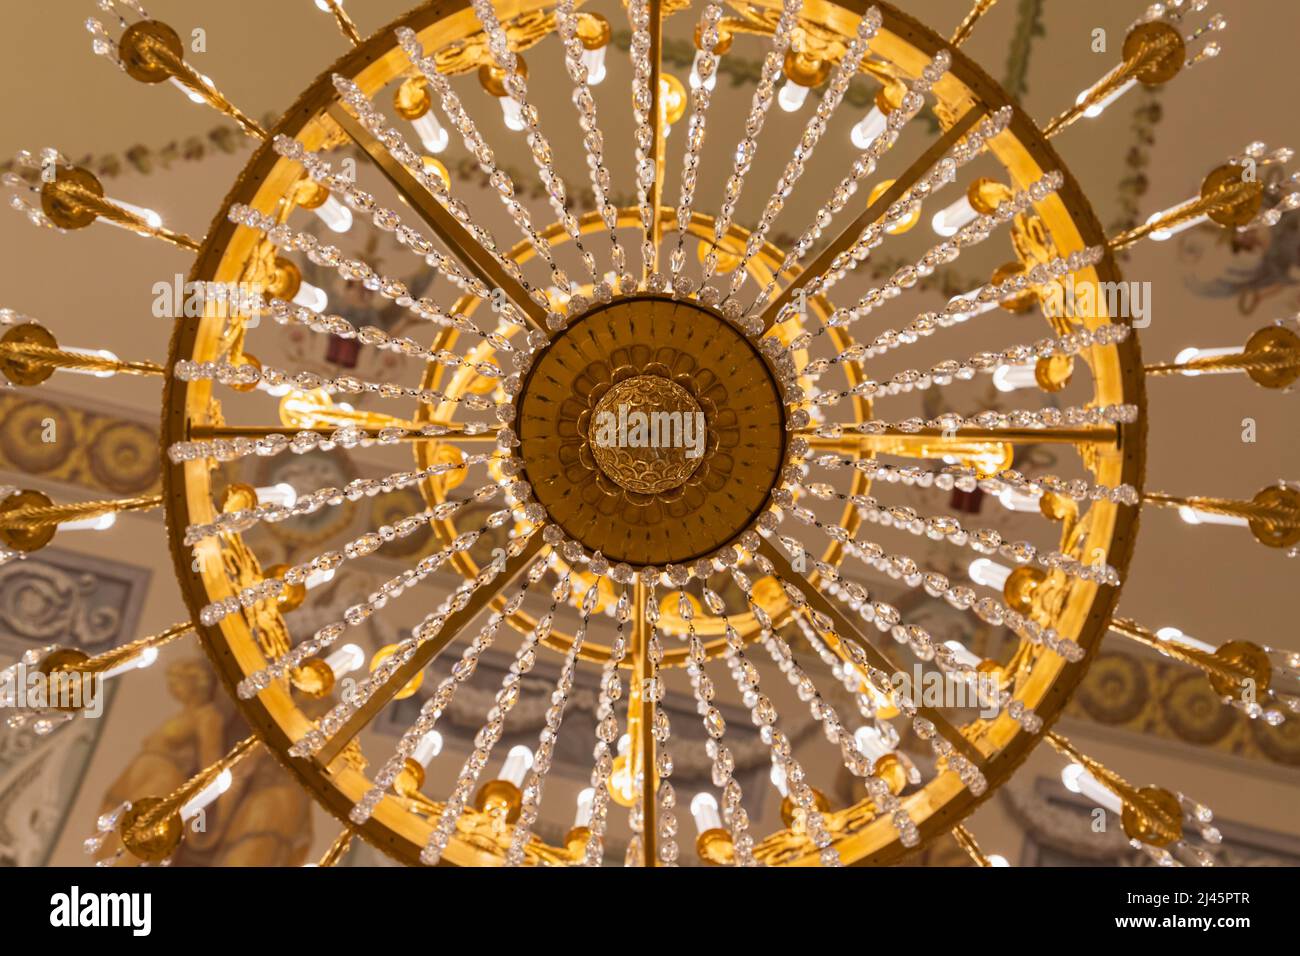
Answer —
594 61
704 810
146 659
1077 779
282 494
204 797
792 96
1174 634
1197 516
432 134
151 218
989 573
92 353
1015 500
872 745
998 860
866 130
949 220
587 797
336 216
518 762
318 577
97 523
1009 378
1096 109
1160 235
190 94
430 746
513 113
963 653
1192 354
346 659
311 297
779 781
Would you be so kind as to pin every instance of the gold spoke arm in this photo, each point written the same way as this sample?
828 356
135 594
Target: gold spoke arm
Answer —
76 662
29 517
967 27
873 212
641 708
456 622
347 28
846 629
966 840
477 260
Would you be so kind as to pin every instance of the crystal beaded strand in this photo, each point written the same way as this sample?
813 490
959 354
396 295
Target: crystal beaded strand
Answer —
815 128
531 800
863 166
490 732
666 796
764 94
499 179
853 759
705 64
593 140
764 715
442 698
397 146
643 101
539 147
724 764
311 742
611 691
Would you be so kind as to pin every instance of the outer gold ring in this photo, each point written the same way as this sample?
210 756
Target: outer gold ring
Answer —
227 255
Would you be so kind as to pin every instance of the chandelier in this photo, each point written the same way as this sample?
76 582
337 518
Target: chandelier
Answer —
673 426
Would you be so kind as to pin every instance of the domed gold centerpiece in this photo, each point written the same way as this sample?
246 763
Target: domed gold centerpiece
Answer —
648 434
651 430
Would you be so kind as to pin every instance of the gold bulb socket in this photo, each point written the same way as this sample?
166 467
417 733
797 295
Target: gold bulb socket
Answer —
493 78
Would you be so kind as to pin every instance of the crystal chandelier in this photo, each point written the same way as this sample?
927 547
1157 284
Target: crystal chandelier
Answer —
675 423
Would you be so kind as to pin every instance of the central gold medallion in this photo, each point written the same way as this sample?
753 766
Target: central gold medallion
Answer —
648 434
651 430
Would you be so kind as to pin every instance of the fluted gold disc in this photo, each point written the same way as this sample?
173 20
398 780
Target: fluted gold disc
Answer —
635 502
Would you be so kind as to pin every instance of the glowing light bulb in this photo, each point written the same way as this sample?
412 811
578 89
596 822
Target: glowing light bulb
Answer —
704 811
1174 634
1197 516
594 61
201 800
92 353
989 573
282 494
311 297
336 216
1015 500
432 134
346 659
963 653
866 130
949 220
146 659
151 218
587 797
1077 779
98 523
1096 109
430 746
792 96
518 762
1009 378
513 113
318 577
